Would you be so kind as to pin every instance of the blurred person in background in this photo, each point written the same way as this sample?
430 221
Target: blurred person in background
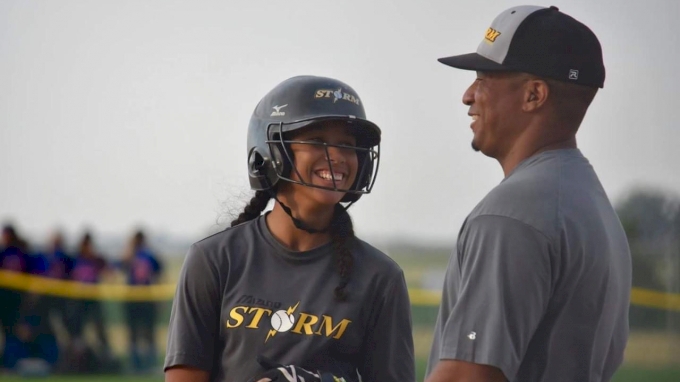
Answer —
14 250
32 348
13 258
88 267
54 261
49 312
142 267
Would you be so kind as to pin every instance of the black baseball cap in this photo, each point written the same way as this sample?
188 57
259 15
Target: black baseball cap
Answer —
540 41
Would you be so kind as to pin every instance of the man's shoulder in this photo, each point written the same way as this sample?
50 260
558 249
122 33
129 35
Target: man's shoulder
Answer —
518 196
530 194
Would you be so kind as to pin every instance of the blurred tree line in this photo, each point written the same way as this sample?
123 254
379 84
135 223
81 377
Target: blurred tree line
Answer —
651 219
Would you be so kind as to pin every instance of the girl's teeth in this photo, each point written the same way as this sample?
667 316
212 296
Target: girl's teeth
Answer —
327 175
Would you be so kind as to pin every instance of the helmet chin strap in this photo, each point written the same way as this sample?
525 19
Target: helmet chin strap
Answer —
299 224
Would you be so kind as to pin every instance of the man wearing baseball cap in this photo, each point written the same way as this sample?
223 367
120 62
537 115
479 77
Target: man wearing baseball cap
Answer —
538 289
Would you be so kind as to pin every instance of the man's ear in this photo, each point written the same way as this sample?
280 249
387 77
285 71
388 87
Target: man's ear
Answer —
536 94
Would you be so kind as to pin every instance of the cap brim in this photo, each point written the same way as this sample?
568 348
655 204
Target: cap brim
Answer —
472 61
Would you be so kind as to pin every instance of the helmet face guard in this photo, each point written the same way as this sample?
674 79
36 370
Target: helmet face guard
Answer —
299 102
368 159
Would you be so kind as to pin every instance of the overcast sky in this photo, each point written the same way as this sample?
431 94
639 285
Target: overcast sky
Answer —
116 113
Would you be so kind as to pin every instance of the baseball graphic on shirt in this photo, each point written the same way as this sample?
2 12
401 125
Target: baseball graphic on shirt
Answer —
282 321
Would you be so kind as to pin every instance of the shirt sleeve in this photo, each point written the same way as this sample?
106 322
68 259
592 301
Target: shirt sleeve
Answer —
194 319
389 353
502 292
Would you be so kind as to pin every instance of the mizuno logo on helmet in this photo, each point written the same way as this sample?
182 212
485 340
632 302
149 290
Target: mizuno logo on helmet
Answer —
277 111
337 94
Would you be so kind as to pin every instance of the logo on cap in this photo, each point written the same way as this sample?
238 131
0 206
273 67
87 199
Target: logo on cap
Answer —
573 74
491 35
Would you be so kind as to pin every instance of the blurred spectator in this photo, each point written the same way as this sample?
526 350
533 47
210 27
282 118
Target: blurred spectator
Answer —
142 267
54 261
42 312
88 267
33 336
12 258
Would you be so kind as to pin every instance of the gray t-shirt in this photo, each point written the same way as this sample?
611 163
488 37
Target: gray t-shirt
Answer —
539 284
241 293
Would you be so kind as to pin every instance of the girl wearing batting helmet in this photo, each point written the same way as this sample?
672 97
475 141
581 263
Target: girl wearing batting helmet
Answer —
293 293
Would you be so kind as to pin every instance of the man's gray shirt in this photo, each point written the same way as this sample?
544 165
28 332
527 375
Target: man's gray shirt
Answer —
539 284
241 294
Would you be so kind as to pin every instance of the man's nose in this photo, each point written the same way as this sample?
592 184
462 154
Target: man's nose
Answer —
469 95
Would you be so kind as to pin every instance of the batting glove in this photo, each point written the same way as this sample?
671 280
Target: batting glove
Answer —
291 373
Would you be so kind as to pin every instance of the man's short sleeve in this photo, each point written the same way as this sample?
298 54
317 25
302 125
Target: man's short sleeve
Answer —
195 315
501 292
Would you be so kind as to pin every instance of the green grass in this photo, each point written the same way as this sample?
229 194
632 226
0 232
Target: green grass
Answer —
631 374
84 378
425 316
625 374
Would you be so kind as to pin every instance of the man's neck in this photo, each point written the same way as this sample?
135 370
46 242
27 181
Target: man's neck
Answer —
528 148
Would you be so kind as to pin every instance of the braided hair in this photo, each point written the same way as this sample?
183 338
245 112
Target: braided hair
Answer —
254 207
341 230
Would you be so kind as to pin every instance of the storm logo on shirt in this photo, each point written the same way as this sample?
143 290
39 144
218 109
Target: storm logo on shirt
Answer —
286 320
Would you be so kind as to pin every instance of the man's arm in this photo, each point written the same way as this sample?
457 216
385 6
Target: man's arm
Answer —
499 292
448 370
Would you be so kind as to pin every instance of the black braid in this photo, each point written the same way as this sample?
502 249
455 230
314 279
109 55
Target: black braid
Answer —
254 208
342 231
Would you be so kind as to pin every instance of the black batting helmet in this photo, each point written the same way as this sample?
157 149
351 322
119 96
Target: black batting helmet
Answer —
299 102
